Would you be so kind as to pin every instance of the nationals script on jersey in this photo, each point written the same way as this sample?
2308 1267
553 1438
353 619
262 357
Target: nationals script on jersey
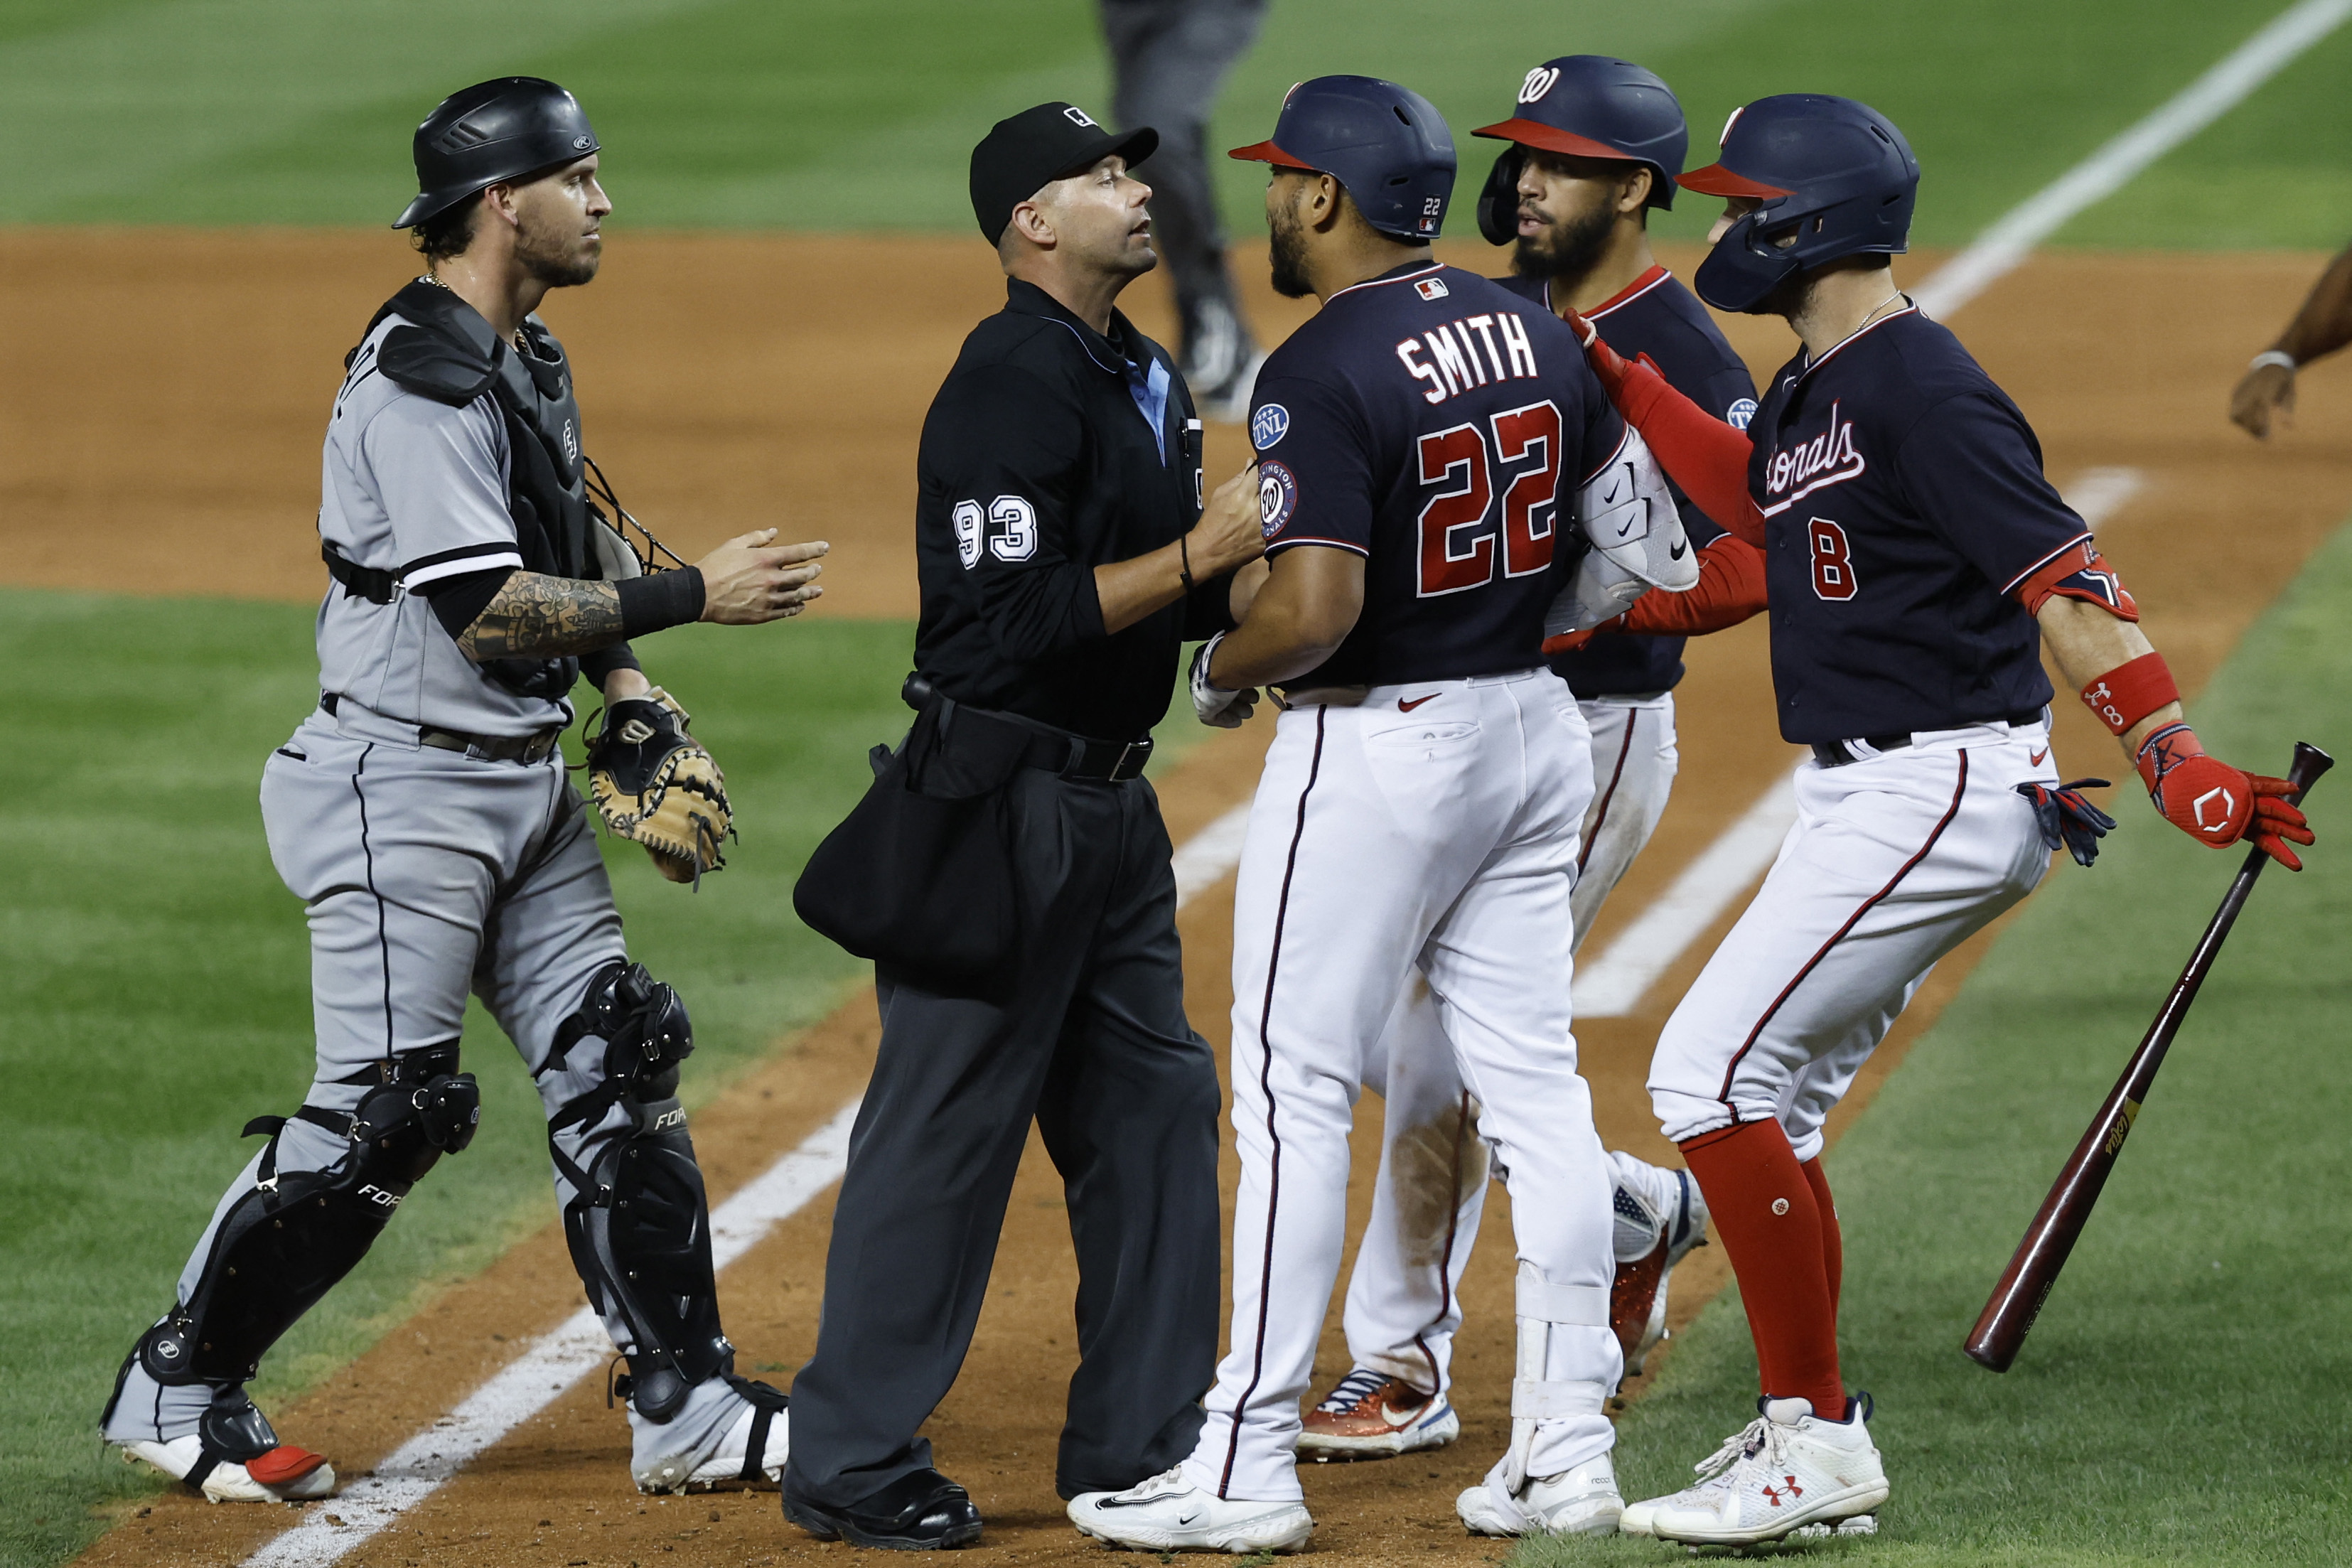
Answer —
1903 500
1440 426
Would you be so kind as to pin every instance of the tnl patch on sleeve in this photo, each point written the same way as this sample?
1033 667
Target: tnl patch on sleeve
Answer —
1269 425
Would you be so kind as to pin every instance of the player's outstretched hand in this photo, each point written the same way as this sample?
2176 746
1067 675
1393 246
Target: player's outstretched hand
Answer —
750 580
2265 392
1231 533
2216 804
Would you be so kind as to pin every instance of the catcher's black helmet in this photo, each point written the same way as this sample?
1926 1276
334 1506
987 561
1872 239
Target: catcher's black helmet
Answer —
492 132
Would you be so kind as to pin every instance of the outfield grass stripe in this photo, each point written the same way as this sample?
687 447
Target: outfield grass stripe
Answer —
546 1368
1998 251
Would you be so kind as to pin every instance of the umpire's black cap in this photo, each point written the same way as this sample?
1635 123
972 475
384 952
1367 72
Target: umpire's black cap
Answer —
497 130
1021 156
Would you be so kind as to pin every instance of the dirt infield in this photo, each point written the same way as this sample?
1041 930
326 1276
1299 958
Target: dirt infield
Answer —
170 390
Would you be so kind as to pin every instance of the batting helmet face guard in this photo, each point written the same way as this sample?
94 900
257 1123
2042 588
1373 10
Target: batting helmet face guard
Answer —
1387 144
492 132
1834 177
1585 106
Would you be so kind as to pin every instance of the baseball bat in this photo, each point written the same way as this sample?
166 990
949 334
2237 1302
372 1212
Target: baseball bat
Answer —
2025 1284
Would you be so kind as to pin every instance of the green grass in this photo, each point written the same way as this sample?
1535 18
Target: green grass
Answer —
2187 1394
860 113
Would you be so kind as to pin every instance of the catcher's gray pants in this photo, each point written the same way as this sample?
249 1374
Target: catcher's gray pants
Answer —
1168 59
1087 1036
427 875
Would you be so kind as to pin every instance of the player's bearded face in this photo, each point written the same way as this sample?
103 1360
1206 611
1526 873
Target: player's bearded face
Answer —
1286 240
1567 213
557 221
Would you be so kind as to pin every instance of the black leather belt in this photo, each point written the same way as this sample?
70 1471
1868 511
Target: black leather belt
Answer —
483 748
1838 753
1056 751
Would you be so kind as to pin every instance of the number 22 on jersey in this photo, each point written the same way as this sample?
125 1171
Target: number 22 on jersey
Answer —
1519 449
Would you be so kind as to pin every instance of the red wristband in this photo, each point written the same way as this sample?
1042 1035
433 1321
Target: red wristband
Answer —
2130 692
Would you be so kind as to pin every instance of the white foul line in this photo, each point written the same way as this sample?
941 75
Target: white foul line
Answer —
2097 494
2007 242
547 1366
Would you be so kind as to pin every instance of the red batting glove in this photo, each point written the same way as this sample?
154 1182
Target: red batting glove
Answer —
1611 369
2216 804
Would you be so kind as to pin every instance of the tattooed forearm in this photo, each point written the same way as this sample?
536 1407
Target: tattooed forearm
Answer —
536 616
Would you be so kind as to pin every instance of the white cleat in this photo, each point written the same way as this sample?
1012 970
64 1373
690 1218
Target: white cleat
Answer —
1580 1501
285 1474
1371 1415
1660 1216
765 1419
1788 1469
1859 1524
1168 1513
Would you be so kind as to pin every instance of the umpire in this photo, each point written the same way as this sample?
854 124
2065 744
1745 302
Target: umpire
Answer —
1064 554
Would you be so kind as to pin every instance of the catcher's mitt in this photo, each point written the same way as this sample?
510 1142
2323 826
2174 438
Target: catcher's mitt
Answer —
654 783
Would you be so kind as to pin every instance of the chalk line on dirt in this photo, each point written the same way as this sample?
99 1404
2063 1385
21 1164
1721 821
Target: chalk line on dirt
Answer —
1998 250
538 1377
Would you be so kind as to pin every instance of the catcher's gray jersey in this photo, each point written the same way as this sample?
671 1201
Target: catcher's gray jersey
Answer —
417 488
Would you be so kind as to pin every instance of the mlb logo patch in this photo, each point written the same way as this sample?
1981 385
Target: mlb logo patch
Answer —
1430 288
1268 426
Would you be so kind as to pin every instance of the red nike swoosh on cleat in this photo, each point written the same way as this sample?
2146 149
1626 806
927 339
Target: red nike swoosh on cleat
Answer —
2035 760
1404 707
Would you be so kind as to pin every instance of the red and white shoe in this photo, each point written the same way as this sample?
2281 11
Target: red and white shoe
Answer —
1371 1415
1786 1472
284 1474
1661 1216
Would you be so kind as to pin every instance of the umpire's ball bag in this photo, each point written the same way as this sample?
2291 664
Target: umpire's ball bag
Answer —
919 876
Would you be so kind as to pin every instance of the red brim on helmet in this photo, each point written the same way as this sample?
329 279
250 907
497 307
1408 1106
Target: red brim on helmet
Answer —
1715 180
1552 138
1267 152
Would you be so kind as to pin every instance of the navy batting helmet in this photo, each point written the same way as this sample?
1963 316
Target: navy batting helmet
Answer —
493 131
1585 106
1834 177
1387 144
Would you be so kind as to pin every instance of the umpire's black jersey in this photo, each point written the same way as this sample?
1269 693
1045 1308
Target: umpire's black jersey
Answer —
1051 450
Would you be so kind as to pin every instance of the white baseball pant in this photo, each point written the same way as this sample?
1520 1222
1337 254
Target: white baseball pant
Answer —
1404 1305
1894 861
1441 838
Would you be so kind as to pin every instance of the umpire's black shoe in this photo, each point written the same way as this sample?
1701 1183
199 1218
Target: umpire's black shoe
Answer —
922 1512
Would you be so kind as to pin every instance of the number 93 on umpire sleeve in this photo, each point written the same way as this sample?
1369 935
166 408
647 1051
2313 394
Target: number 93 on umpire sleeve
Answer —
1007 529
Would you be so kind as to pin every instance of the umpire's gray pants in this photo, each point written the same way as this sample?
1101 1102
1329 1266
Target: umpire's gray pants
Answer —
427 875
1086 1036
1168 59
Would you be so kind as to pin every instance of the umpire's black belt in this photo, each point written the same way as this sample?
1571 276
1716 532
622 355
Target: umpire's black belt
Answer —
1838 753
1057 752
482 748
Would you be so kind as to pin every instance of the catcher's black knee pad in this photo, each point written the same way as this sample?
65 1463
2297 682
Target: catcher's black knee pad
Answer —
285 1244
644 1025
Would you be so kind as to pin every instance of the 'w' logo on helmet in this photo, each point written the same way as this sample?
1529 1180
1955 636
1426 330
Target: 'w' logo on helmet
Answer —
1538 82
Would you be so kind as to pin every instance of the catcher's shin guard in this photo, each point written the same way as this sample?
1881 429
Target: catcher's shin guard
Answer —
639 1223
286 1242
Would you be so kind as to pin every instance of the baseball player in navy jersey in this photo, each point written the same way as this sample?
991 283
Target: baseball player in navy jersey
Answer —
1429 470
1917 562
421 813
1595 144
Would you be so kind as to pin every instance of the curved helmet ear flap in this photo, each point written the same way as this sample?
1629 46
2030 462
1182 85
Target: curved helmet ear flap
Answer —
1498 202
1742 269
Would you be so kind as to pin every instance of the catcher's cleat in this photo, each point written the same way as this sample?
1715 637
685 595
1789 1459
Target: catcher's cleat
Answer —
1371 1415
284 1474
1785 1470
1661 1216
751 1455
